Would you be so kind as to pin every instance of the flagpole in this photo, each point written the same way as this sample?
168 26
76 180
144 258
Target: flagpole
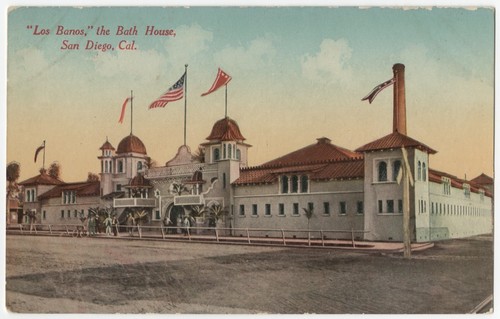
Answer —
131 110
185 101
226 103
43 166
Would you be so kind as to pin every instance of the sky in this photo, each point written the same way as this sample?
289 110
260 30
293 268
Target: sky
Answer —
298 73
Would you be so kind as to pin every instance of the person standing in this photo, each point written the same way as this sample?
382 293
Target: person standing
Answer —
92 225
114 224
108 223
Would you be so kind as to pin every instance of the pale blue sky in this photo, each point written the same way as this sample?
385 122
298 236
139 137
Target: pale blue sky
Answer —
298 74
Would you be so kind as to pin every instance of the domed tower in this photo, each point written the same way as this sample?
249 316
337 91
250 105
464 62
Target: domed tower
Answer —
106 158
226 143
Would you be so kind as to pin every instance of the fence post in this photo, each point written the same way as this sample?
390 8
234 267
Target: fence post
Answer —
352 237
162 233
216 234
139 230
283 235
322 238
50 229
21 228
67 230
248 236
308 238
188 230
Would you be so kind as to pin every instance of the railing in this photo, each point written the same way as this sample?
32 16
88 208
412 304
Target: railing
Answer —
282 237
134 202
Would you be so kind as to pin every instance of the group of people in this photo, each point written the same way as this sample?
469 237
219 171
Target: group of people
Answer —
109 223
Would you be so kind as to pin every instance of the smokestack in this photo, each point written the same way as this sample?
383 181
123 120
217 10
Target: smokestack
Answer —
399 116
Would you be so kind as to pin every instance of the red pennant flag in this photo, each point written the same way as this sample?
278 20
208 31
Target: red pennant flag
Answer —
376 90
39 149
221 80
122 115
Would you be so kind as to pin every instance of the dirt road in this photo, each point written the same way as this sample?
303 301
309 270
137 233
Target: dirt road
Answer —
92 275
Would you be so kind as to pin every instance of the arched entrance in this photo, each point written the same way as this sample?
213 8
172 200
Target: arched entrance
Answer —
176 213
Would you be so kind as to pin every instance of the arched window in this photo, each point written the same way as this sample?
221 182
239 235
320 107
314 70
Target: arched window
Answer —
224 151
295 184
419 172
304 184
395 170
424 172
139 165
216 154
120 166
284 184
238 154
382 172
106 167
229 150
111 166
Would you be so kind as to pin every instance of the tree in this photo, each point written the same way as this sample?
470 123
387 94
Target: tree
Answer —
309 212
199 155
92 177
13 173
150 163
178 188
55 170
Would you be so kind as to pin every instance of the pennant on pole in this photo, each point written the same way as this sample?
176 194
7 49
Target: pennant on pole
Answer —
376 90
222 79
122 115
174 93
39 149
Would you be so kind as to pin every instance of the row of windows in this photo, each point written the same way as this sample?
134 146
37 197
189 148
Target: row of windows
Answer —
456 210
294 184
383 170
228 152
107 166
31 195
69 197
67 214
295 209
389 206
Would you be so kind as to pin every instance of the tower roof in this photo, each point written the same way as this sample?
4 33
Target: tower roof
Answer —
226 129
131 144
395 140
139 181
42 179
107 146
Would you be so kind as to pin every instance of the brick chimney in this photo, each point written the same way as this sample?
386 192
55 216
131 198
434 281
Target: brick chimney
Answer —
399 116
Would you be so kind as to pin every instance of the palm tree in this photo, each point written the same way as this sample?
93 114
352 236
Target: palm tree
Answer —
309 212
178 188
140 217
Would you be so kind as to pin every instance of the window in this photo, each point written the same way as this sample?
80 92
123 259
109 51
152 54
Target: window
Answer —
382 172
466 190
229 151
75 214
380 207
44 215
242 210
62 213
30 195
343 208
326 208
400 206
295 208
106 167
281 209
238 154
255 211
360 207
224 180
295 184
304 184
395 170
224 151
216 154
120 166
139 166
118 187
446 185
69 197
268 209
69 214
419 173
390 206
424 172
284 184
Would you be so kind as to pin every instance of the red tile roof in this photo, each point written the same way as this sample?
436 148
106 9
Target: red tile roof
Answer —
226 130
41 179
139 181
320 161
483 179
322 151
107 146
395 140
81 189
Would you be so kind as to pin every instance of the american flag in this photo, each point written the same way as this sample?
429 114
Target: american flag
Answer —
174 93
222 79
376 90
